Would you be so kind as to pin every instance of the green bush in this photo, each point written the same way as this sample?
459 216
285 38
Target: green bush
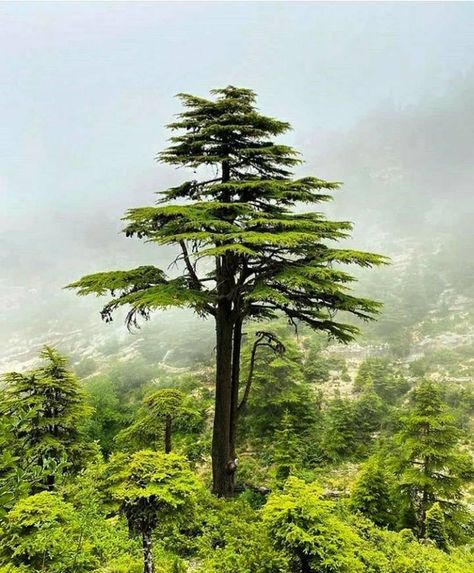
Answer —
234 540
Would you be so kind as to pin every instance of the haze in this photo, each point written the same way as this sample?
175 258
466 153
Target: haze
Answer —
380 96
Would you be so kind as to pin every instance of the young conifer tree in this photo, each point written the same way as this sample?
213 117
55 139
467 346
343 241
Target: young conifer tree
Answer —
245 253
432 466
45 410
151 488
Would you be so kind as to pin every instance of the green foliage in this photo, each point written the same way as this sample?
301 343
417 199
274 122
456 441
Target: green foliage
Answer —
46 409
234 540
316 367
278 392
286 450
109 414
304 525
66 531
432 467
298 527
320 538
340 431
372 493
151 487
124 564
369 416
435 528
379 374
100 529
43 533
163 412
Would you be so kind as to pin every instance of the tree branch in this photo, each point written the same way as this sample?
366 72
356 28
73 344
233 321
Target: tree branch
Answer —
197 284
263 339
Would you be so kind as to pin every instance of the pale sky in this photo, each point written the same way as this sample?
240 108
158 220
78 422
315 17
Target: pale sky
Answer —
86 88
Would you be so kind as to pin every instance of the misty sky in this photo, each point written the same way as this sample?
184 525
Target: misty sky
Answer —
379 95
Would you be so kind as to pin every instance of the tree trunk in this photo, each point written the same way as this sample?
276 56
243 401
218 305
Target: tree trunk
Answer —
147 553
222 463
234 414
422 517
168 423
222 485
425 498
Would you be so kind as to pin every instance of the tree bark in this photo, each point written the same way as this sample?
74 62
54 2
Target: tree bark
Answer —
147 553
222 463
237 344
168 424
222 485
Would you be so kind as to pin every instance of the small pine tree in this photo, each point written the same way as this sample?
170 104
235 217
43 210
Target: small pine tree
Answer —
305 526
169 405
340 433
46 409
278 389
151 487
368 415
380 374
109 412
285 449
372 494
156 421
430 464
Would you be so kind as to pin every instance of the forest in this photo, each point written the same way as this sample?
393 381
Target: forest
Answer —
259 436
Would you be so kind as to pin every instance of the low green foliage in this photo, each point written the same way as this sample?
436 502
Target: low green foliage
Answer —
42 532
373 493
310 499
234 540
431 465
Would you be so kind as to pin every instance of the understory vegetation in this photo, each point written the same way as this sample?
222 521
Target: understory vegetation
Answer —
340 469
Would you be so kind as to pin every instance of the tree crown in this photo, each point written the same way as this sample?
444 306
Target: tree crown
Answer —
267 259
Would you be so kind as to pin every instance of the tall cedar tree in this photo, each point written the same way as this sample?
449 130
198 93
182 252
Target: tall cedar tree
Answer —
244 253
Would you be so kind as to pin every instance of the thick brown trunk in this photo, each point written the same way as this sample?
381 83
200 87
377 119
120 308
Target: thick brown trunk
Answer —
222 485
222 470
147 553
168 423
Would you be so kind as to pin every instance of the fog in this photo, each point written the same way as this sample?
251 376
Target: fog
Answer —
380 96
